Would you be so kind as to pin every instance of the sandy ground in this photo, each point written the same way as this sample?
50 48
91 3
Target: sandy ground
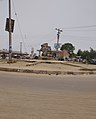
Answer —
17 101
57 66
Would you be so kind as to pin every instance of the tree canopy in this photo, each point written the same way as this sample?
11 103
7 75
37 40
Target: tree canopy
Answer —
69 47
88 55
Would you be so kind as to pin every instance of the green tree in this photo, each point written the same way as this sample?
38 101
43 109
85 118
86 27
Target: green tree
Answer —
92 54
69 47
79 52
86 55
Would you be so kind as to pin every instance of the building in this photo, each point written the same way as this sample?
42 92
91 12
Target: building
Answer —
46 51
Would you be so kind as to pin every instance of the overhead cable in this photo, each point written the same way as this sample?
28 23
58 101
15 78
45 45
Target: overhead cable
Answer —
80 27
19 25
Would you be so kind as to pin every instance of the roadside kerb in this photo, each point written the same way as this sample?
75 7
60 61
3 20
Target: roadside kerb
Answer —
45 71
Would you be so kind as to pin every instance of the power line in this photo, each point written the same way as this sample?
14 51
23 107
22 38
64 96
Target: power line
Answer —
80 27
79 30
19 26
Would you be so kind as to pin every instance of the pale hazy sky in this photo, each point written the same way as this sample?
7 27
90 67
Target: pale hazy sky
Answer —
38 19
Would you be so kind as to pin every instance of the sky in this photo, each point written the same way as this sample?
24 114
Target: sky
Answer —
36 20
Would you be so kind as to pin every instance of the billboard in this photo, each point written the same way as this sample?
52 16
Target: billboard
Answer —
7 25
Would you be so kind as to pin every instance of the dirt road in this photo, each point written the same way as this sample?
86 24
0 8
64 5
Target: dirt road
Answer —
24 96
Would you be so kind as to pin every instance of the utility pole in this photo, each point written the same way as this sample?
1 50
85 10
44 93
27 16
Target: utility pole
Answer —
32 52
10 34
20 48
58 36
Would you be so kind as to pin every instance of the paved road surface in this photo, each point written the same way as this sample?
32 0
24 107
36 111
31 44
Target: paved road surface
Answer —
26 96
